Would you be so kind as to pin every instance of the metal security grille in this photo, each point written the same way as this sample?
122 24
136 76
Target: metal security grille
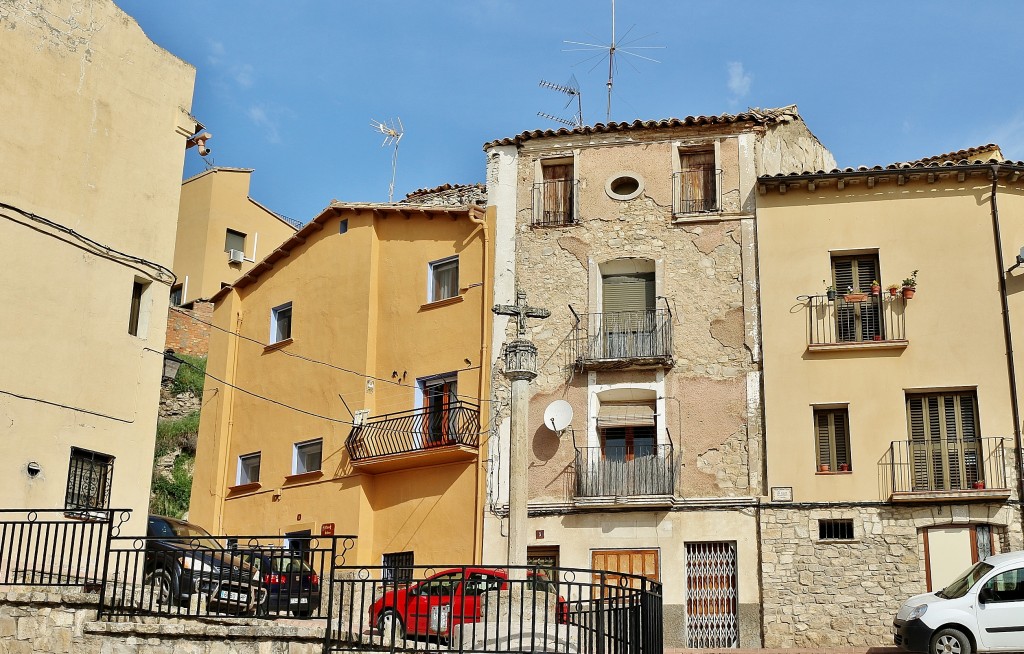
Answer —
398 566
711 595
89 476
835 529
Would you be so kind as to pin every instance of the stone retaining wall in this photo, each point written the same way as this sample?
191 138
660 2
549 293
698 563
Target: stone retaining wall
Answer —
845 593
43 622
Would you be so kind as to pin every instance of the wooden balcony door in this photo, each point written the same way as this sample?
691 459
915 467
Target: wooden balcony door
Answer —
856 321
558 196
440 396
945 450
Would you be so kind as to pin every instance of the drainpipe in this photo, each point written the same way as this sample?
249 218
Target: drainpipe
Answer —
482 387
1010 369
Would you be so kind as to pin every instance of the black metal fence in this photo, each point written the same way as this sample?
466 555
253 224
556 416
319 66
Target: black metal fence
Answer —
855 318
625 470
631 336
457 423
498 610
944 465
479 609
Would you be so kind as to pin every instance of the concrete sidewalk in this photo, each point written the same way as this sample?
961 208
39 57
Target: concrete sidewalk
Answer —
789 650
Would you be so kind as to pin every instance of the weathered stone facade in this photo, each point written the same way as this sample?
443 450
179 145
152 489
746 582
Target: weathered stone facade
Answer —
820 593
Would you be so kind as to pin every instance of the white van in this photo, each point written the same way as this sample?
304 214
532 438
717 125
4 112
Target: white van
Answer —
981 611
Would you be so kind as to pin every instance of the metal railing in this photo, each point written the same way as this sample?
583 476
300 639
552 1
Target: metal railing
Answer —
555 203
458 423
855 318
696 190
56 547
631 470
498 610
624 335
944 465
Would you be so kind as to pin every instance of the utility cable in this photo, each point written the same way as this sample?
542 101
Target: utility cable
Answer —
66 406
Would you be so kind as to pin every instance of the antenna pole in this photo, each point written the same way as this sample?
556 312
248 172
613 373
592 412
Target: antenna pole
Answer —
611 68
394 169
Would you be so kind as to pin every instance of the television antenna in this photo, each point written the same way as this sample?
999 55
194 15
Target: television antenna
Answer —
571 89
392 135
558 415
611 49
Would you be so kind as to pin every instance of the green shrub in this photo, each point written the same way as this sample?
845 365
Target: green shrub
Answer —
191 375
170 495
177 434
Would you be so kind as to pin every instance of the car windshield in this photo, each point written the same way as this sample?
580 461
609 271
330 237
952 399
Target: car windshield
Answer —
288 564
965 582
198 535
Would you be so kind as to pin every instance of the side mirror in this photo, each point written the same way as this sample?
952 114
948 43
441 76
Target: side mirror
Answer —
985 595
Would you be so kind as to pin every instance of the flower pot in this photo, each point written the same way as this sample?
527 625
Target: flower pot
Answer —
875 289
978 485
844 467
894 291
877 337
831 295
855 297
823 467
908 292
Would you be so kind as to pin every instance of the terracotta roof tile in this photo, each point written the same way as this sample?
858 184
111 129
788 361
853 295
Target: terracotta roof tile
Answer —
967 154
752 115
440 189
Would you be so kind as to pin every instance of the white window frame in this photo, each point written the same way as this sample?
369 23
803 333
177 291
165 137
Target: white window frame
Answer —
295 455
273 323
241 466
430 278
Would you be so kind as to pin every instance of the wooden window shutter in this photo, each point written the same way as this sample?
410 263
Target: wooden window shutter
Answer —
824 440
840 437
833 437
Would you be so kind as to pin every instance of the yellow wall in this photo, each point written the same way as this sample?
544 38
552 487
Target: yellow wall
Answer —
211 203
359 303
94 139
953 323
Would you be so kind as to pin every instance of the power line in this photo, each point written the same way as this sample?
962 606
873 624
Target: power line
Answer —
163 274
66 406
324 363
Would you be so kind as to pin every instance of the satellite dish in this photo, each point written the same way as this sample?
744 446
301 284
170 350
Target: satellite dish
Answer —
558 415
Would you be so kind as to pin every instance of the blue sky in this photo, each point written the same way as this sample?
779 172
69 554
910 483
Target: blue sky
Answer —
290 88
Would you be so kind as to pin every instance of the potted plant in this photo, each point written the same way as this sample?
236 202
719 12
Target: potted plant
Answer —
824 467
894 289
876 288
830 292
910 286
844 467
978 485
854 297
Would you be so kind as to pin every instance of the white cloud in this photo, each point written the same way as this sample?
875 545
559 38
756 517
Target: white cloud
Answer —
739 80
259 117
1008 135
243 75
217 52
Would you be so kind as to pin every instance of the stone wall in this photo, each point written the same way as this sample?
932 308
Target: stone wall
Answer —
33 622
188 330
829 593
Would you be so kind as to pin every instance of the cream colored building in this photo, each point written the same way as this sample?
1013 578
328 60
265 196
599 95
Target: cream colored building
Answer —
222 233
351 361
639 238
95 127
892 424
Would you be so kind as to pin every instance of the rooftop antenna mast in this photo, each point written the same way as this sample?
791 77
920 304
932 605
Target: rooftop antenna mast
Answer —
611 49
571 89
392 135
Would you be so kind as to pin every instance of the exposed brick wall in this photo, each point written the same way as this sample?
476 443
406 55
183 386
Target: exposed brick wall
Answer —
188 331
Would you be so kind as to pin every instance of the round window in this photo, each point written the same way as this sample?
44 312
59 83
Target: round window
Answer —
624 185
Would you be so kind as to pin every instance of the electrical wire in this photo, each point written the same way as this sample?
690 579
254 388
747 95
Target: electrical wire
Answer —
66 406
162 273
325 363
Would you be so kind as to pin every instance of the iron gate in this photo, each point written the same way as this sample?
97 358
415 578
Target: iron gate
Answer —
711 596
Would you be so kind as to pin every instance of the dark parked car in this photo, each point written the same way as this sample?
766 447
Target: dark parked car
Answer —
290 584
183 560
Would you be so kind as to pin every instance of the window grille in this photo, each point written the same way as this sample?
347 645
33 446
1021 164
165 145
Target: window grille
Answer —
835 529
398 566
89 476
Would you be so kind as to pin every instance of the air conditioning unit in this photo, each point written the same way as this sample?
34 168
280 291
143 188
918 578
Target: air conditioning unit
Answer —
236 256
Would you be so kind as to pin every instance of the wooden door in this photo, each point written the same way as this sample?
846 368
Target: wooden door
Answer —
643 563
711 595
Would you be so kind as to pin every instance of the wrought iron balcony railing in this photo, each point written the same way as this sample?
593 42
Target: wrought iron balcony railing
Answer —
696 190
554 203
944 465
623 338
855 318
624 470
418 430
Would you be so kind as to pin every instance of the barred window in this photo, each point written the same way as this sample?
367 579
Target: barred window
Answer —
398 567
835 529
89 475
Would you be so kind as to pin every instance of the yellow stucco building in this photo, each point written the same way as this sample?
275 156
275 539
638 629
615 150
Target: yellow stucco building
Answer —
95 127
222 233
891 416
350 360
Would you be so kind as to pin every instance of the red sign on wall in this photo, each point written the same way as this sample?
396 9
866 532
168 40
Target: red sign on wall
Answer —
327 529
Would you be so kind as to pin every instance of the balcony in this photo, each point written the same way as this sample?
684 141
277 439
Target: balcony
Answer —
623 339
944 470
421 437
855 320
554 203
641 474
696 191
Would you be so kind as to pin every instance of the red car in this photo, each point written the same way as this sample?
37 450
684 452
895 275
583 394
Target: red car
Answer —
447 599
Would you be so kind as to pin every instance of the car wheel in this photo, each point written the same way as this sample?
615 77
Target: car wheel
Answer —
158 584
950 641
389 623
